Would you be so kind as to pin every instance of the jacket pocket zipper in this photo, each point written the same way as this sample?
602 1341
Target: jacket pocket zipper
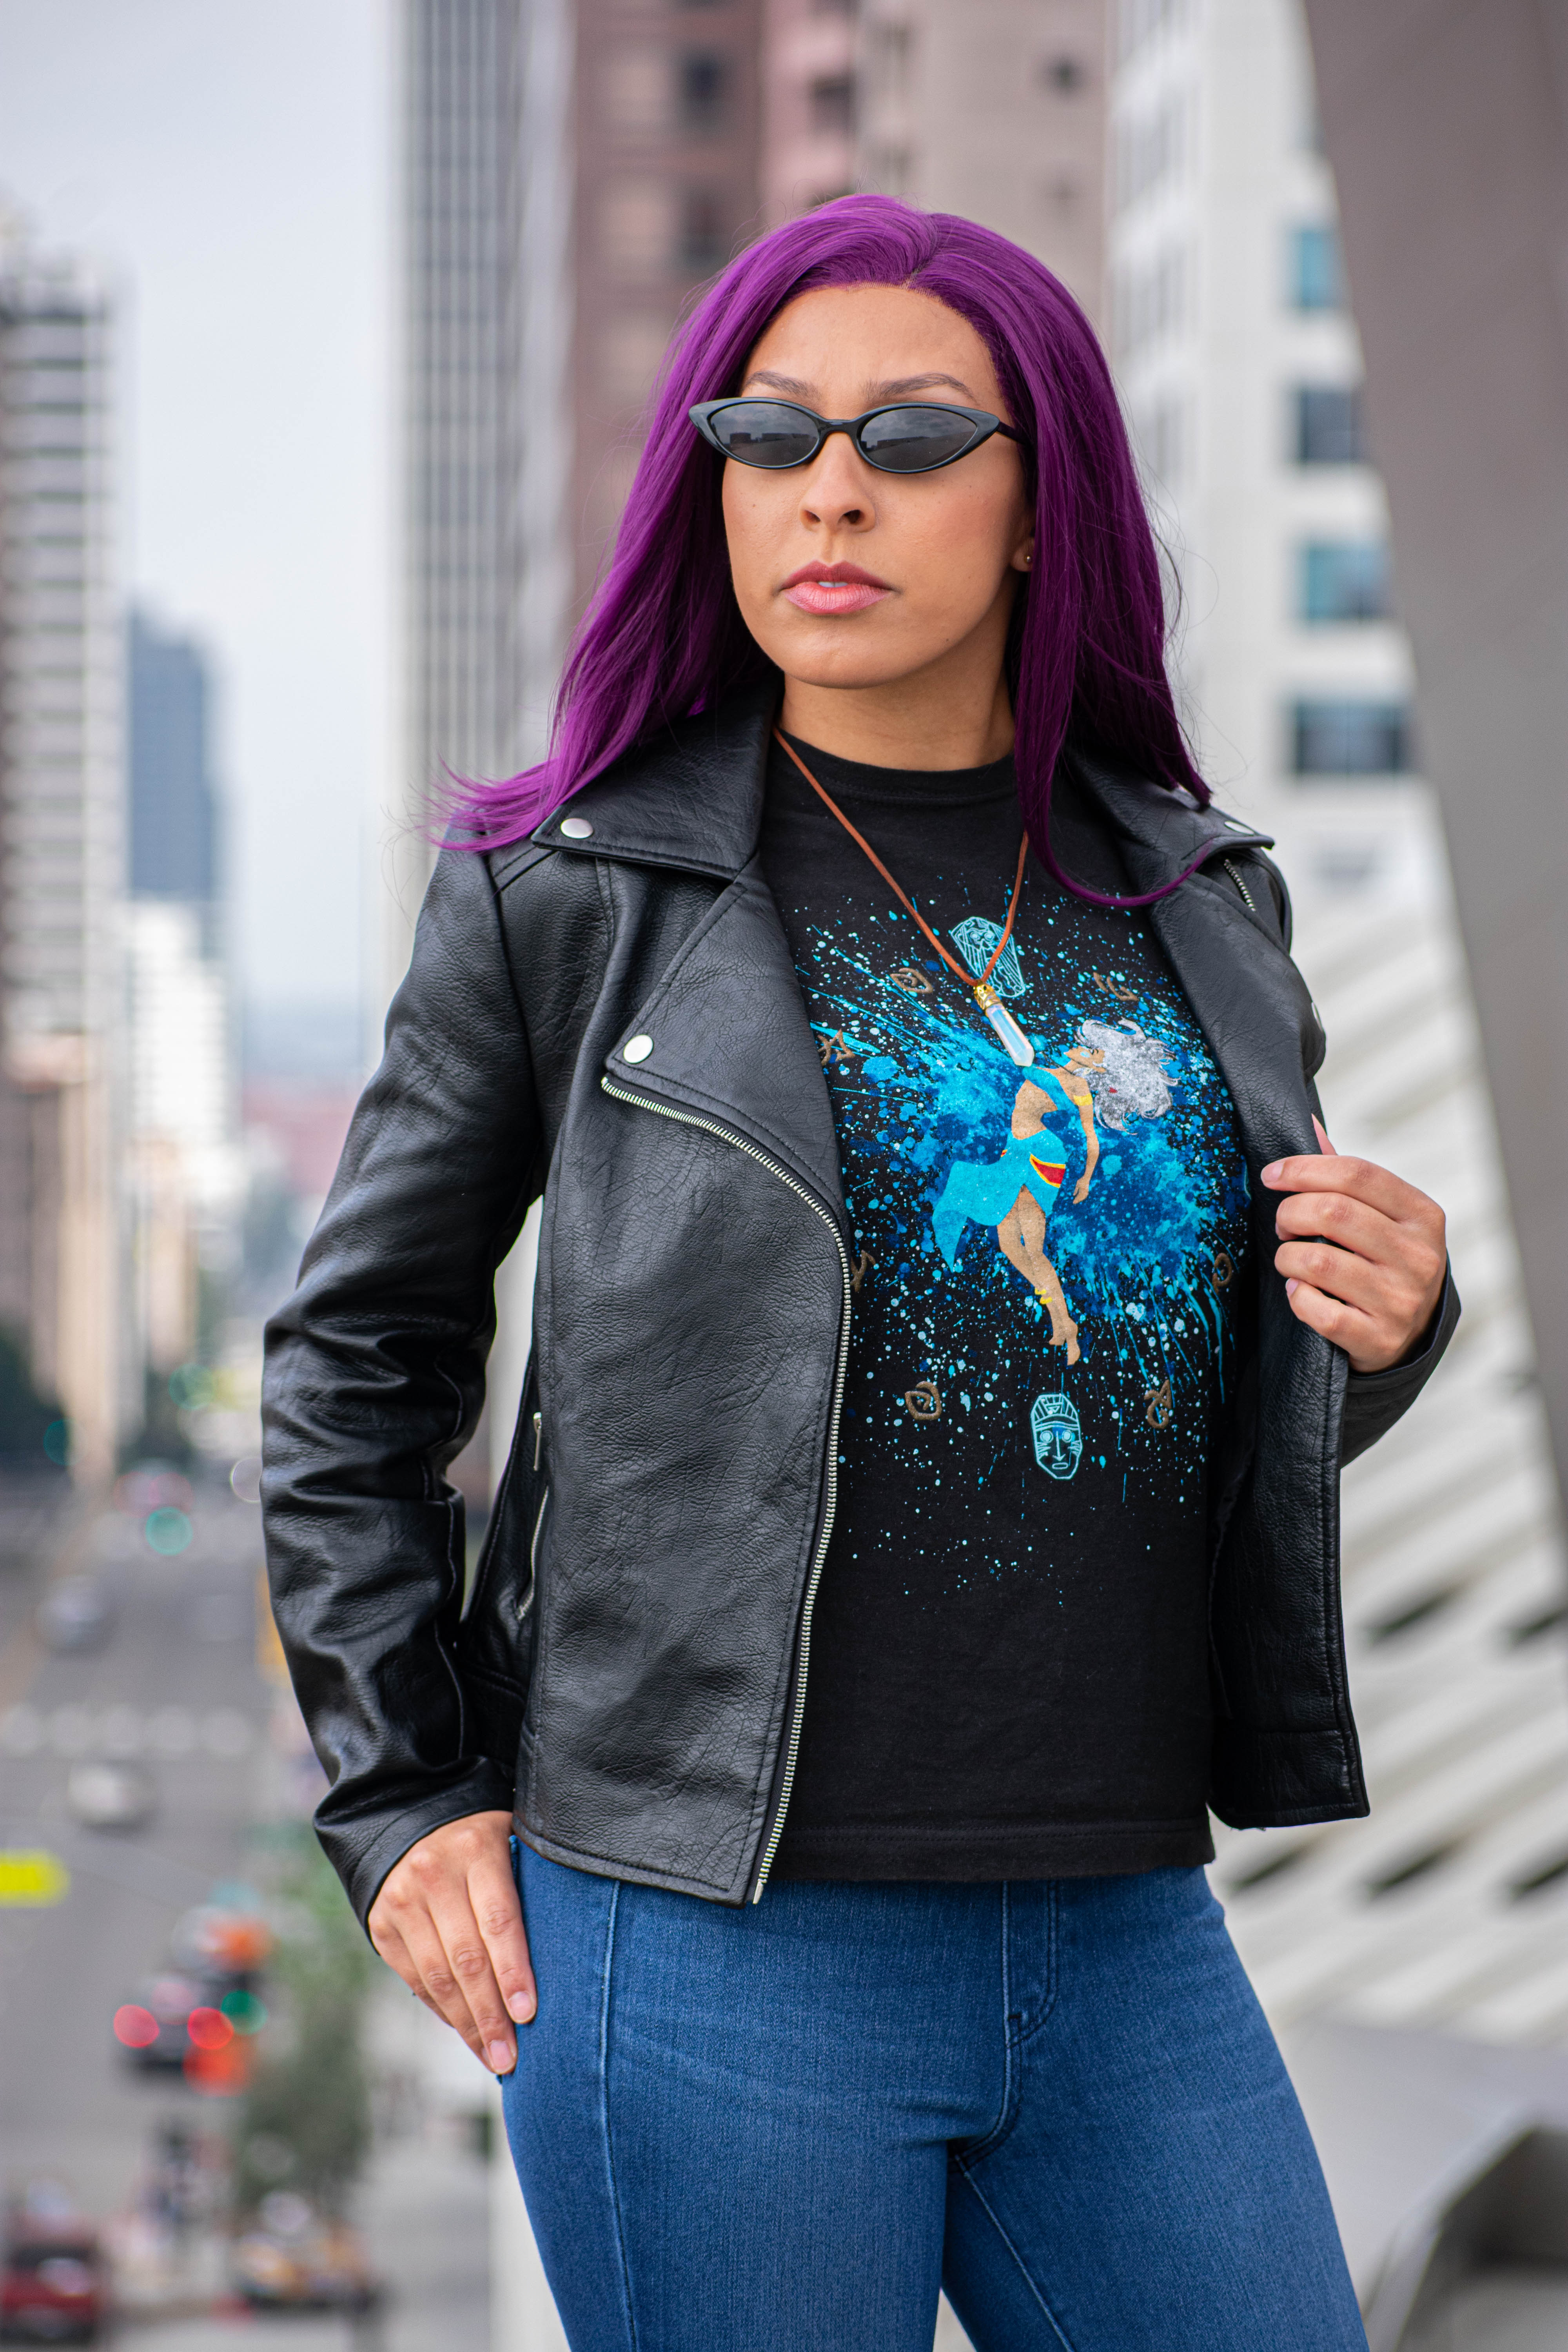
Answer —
830 1491
526 1603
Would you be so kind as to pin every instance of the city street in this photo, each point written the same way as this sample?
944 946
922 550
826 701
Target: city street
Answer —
175 1687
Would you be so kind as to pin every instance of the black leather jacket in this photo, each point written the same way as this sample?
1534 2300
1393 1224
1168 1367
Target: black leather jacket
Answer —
608 1014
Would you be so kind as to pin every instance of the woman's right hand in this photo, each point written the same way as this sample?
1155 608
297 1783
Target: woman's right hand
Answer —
447 1919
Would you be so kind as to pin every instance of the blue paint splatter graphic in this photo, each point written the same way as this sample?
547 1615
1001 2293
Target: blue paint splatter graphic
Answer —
1074 1231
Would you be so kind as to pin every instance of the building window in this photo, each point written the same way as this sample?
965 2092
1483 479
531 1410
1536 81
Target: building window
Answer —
704 237
1159 435
1149 301
1344 580
1065 75
891 49
1316 275
704 89
1149 148
1350 737
888 170
832 104
1136 20
1327 426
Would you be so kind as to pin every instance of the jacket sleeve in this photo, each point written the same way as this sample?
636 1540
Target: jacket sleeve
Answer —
373 1382
1376 1400
1373 1400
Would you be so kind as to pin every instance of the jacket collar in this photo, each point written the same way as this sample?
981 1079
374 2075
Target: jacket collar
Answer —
692 798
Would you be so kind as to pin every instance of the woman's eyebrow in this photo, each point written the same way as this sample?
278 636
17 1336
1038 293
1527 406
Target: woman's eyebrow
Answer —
897 388
792 388
902 387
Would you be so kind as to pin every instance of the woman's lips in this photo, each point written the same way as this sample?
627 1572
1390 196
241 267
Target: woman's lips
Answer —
834 588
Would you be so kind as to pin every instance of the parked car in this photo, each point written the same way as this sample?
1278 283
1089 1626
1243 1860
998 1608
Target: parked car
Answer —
153 2029
75 1615
106 1795
53 2283
293 2258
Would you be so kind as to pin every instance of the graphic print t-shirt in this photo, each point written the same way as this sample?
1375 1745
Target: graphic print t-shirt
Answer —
1008 1666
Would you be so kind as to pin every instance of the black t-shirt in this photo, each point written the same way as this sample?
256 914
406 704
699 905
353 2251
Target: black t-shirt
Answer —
1009 1656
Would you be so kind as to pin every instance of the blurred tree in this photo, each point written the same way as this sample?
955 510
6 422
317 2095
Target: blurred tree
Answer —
304 2122
26 1417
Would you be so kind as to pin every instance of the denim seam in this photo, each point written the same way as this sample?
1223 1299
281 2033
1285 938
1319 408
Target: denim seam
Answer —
610 1925
1053 1987
1007 2113
1052 2322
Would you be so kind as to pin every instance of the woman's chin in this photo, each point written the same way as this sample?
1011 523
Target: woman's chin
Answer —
843 663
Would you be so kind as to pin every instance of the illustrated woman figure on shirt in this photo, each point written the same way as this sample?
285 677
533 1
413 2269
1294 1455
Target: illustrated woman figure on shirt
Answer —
1121 1070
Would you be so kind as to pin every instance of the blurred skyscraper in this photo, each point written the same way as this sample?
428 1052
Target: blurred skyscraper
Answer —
570 170
995 110
183 1174
1238 352
174 819
61 849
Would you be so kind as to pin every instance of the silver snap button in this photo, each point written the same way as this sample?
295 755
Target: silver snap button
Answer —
575 828
637 1049
1233 824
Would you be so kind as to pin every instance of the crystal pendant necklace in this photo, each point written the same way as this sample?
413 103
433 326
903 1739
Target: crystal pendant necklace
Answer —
985 996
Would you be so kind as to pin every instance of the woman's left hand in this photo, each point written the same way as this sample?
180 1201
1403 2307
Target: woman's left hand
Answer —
1363 1253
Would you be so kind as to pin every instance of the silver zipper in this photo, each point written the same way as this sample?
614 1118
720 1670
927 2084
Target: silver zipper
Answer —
1235 873
537 1436
791 1749
526 1601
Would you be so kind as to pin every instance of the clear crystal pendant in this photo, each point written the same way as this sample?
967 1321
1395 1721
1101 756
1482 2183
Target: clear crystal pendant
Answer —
1002 1021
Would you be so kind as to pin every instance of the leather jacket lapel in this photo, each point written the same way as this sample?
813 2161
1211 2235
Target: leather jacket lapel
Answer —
725 1036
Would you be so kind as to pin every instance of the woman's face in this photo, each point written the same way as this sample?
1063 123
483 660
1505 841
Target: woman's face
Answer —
922 567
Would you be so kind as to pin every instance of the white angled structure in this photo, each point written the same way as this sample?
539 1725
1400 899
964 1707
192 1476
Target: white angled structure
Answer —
1237 355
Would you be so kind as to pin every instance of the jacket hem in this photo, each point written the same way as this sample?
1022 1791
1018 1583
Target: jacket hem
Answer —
599 1866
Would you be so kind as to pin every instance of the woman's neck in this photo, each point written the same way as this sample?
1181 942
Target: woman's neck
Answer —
904 724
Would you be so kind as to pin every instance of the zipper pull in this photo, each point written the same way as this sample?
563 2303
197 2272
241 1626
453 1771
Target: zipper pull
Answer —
537 1436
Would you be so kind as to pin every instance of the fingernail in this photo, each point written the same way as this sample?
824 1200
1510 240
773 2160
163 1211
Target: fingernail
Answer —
1271 1173
519 2008
1290 1286
500 2056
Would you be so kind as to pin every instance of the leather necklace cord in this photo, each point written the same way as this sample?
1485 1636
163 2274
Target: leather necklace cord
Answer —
908 903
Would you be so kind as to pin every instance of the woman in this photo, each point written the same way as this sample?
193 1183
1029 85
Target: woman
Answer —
854 1698
1019 1190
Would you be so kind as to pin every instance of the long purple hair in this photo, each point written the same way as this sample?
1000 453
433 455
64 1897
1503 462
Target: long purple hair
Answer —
664 636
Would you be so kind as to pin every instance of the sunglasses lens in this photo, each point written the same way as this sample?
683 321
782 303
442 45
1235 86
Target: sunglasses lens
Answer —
763 433
911 440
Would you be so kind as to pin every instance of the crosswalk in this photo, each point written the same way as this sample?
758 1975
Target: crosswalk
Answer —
170 1734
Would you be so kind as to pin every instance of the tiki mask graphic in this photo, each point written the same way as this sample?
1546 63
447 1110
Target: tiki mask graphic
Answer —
1058 1438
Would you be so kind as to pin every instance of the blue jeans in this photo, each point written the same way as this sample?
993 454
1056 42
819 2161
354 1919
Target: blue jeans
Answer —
781 2129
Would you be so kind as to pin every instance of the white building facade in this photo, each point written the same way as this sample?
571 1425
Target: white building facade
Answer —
62 1288
1236 347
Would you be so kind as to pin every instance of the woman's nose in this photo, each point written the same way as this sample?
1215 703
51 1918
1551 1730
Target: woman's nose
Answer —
835 495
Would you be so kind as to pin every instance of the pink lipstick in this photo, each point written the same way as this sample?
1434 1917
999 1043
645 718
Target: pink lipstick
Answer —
835 588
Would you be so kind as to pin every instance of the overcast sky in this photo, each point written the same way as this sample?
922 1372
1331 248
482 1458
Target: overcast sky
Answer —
229 162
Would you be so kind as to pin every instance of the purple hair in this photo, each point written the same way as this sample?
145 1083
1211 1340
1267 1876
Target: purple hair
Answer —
664 637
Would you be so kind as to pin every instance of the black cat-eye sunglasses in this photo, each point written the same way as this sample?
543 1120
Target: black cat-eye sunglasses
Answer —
911 439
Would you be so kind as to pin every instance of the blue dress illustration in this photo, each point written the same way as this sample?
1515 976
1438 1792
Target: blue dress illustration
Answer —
1123 1070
